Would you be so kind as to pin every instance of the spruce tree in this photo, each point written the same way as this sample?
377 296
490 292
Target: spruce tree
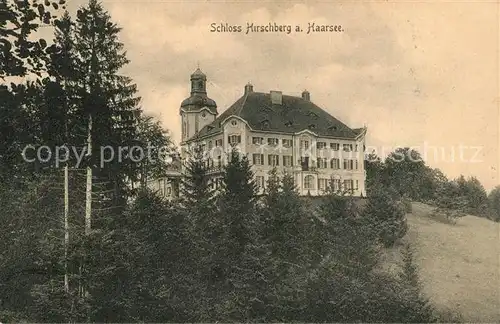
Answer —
285 218
196 182
106 97
418 308
386 213
285 231
239 263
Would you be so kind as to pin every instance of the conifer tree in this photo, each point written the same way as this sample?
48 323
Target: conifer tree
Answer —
386 213
196 183
285 218
107 97
417 306
240 266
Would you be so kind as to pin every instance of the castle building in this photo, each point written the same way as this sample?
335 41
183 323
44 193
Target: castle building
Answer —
274 130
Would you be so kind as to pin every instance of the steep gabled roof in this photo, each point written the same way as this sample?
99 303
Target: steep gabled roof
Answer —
293 115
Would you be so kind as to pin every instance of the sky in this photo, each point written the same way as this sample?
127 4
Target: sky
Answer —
421 74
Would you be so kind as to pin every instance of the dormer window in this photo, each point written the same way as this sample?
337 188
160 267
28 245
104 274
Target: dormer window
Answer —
333 128
288 124
313 115
265 124
312 126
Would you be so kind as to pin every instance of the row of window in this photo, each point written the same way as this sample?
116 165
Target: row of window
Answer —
218 143
304 144
309 183
321 163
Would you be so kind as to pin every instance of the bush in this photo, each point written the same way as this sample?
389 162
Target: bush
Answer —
387 214
447 215
407 206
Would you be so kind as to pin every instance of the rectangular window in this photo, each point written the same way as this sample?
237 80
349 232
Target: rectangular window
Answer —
218 142
357 185
347 147
258 159
161 187
334 146
336 184
272 141
308 182
304 162
356 147
304 145
169 191
257 140
287 161
287 143
219 161
259 181
335 164
273 160
356 165
321 163
320 145
234 139
348 164
322 184
210 145
348 186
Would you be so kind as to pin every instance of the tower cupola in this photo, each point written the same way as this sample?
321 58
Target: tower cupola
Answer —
198 98
198 83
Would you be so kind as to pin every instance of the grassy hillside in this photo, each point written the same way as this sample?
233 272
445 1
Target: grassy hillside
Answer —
459 264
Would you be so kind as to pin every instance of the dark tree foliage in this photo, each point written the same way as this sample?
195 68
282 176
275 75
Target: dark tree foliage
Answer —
375 174
20 54
157 145
405 167
494 203
386 212
196 187
418 307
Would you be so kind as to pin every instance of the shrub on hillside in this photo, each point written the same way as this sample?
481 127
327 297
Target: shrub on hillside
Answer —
387 214
406 203
417 305
494 204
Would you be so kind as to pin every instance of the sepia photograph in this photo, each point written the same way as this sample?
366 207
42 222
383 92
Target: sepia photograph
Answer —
211 161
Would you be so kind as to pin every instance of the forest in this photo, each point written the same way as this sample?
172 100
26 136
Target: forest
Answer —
213 255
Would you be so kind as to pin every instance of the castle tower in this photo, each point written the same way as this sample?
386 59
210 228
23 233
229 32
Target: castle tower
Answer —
198 110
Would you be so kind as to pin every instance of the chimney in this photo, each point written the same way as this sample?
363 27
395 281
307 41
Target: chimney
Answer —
276 97
248 88
306 95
